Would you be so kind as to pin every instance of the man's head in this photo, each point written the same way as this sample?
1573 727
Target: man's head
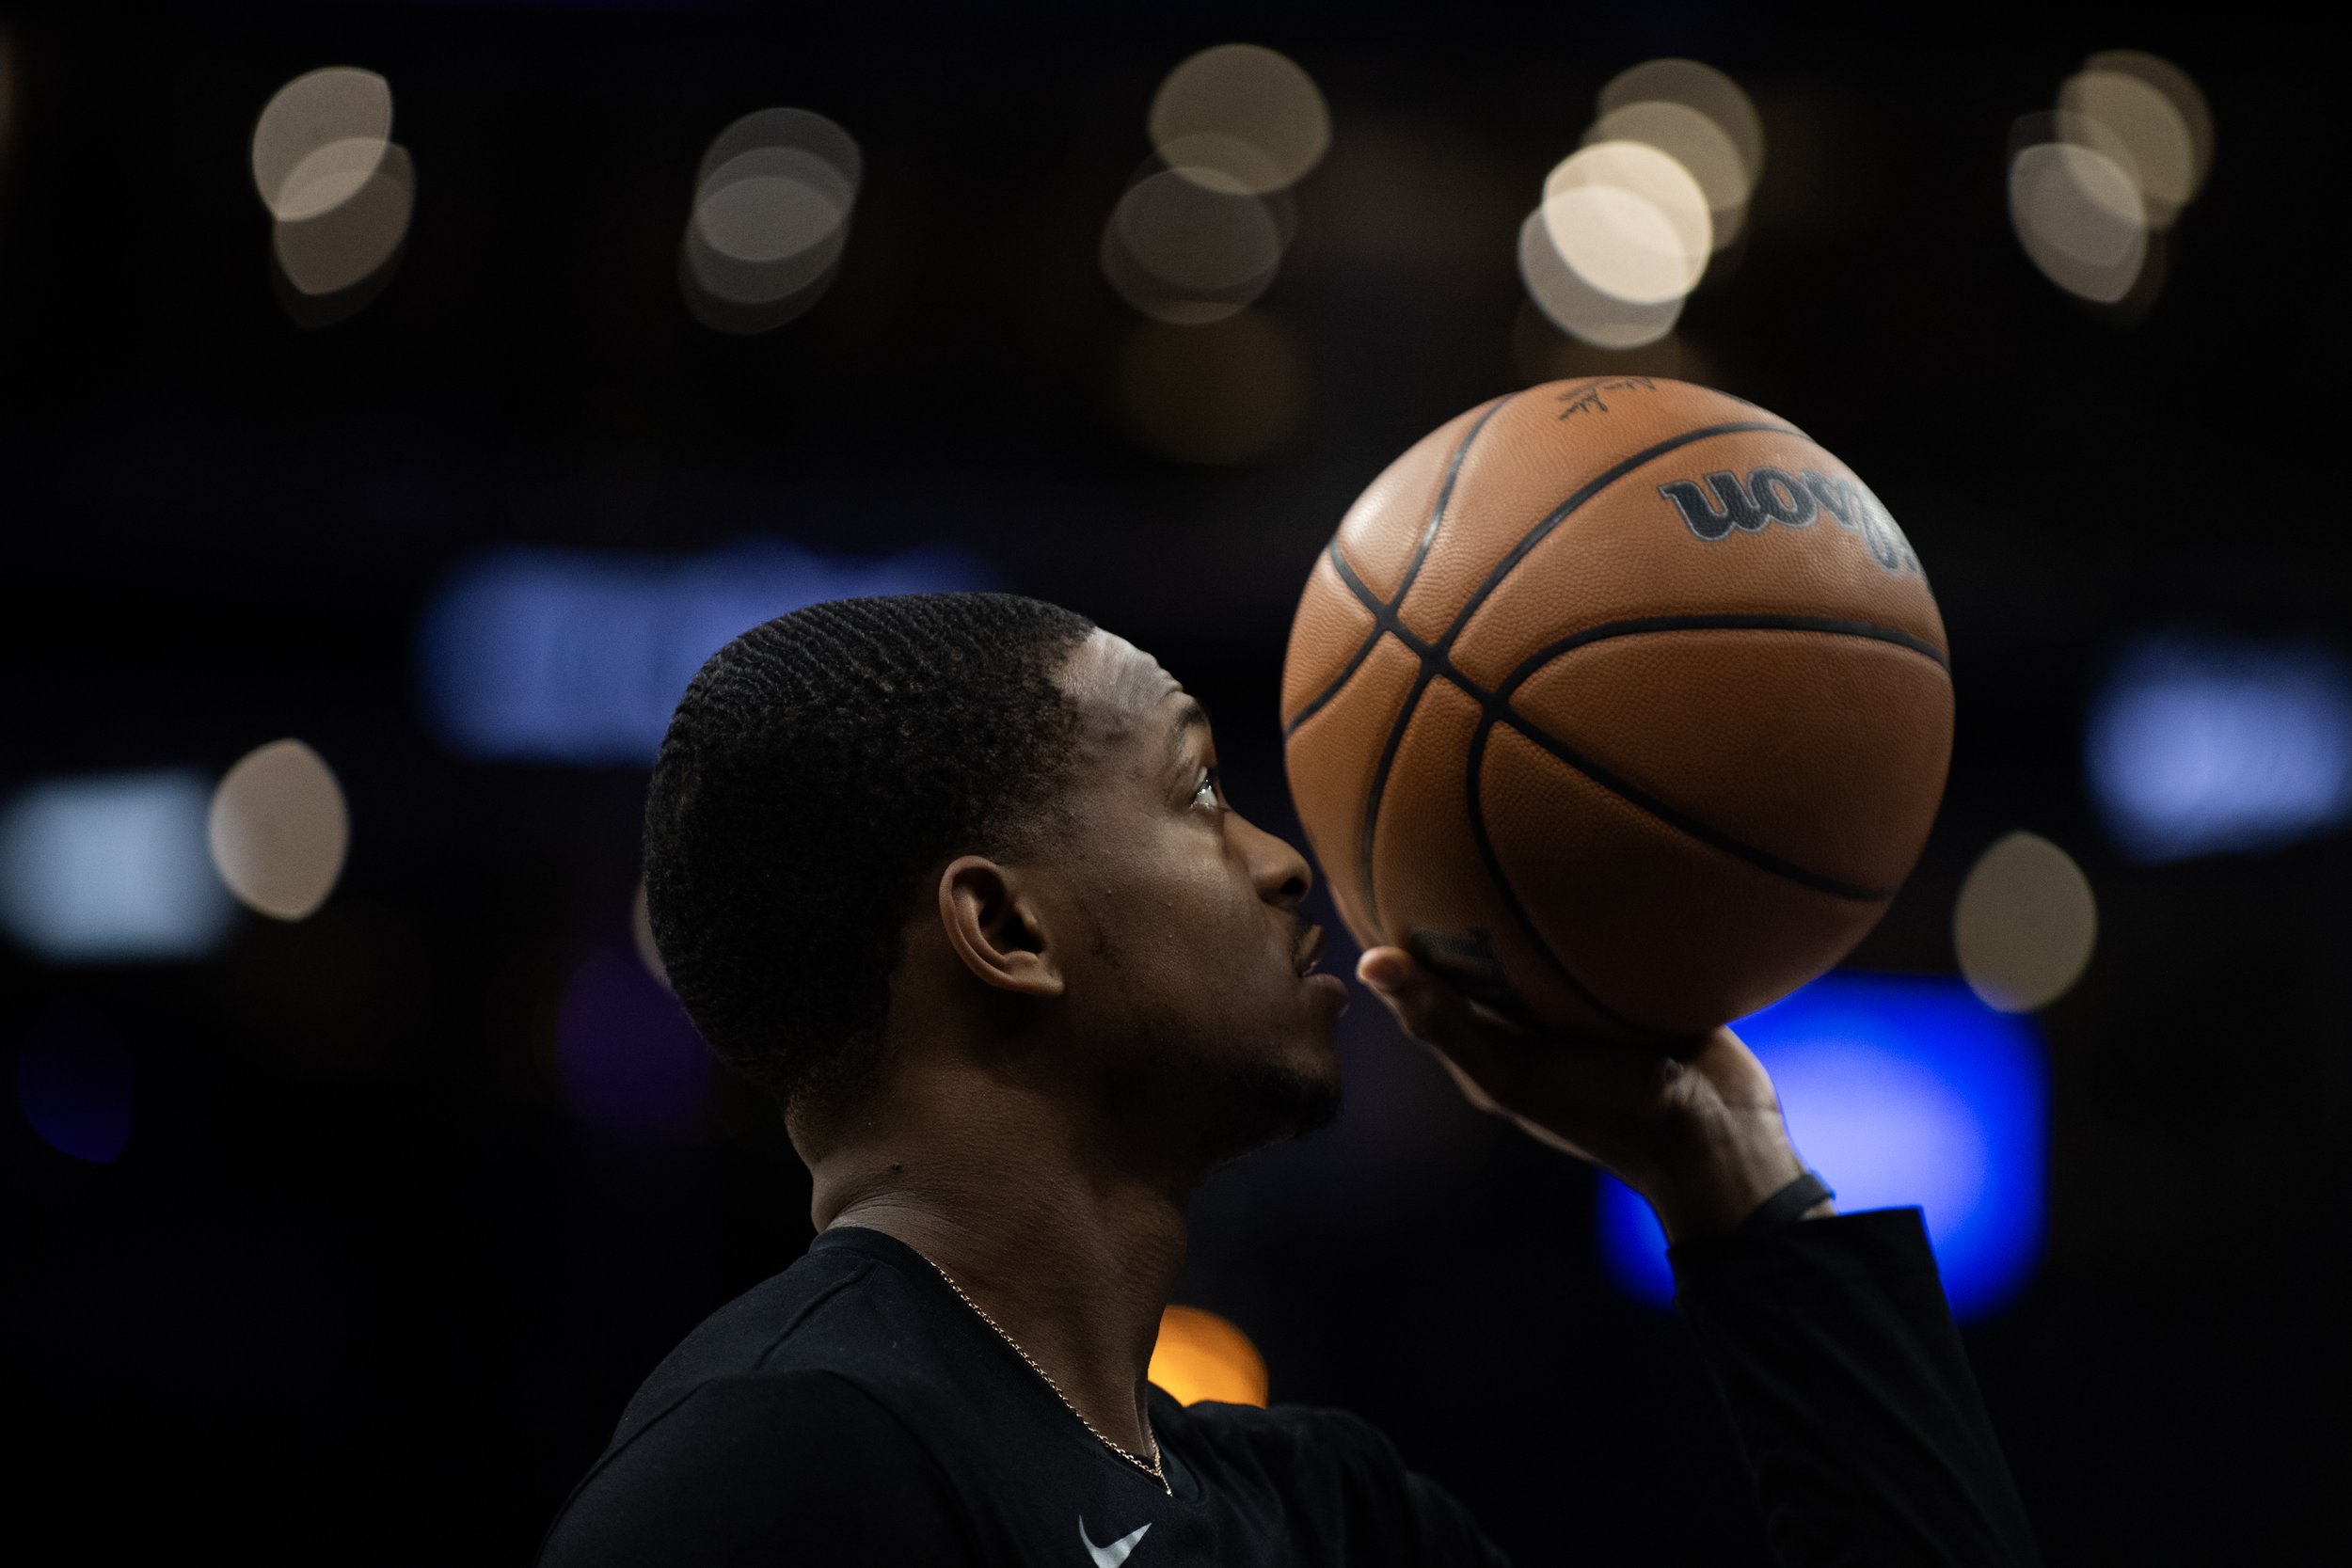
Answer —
877 825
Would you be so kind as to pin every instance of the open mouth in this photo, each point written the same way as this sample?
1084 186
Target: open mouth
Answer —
1309 949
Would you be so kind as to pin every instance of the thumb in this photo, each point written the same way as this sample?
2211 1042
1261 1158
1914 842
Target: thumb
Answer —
1428 1008
1442 1019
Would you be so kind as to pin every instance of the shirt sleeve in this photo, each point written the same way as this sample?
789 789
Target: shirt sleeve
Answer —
775 1470
1833 1350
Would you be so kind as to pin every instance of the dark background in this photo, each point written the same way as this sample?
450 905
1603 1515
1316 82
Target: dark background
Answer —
358 1288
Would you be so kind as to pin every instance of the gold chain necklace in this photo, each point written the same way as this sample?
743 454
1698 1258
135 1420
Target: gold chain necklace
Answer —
1149 1466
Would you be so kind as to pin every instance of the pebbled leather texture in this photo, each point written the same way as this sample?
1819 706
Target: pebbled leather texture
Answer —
1656 726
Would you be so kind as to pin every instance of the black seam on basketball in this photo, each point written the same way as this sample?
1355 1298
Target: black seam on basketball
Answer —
1496 704
1391 620
1380 787
1647 625
1436 661
1501 880
1355 663
1412 569
1690 826
1585 492
1445 498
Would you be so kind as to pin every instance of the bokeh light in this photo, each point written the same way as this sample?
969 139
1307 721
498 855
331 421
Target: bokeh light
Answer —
339 190
1579 308
770 218
2151 107
1630 220
74 1088
1701 89
629 1060
1200 231
1190 246
2198 744
1901 1091
1243 112
2092 184
319 140
580 655
1199 1356
344 245
278 830
2024 925
2079 215
1223 393
112 867
1701 146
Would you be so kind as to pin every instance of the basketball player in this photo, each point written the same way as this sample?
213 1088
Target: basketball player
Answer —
954 876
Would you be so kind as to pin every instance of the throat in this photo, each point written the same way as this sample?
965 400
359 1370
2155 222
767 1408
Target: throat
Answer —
1081 1310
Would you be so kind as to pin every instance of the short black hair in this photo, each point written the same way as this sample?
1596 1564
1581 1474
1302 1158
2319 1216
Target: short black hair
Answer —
817 769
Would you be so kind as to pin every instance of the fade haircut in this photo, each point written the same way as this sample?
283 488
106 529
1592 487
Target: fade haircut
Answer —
818 769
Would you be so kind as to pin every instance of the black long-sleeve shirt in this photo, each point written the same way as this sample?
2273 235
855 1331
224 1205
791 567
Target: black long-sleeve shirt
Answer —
852 1411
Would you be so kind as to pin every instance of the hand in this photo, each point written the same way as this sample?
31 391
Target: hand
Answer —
1694 1127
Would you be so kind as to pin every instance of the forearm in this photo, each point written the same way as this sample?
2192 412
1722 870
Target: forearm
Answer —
1844 1376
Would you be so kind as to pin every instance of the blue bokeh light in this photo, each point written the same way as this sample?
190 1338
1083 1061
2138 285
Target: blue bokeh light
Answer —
580 655
113 867
73 1086
630 1059
2201 744
1901 1091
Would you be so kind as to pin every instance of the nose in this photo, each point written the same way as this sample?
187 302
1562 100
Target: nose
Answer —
1277 870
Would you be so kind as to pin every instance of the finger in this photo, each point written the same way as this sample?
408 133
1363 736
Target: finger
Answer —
1438 1016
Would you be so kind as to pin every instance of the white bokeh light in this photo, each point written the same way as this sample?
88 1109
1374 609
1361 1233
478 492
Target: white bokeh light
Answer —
1191 247
1630 220
2150 108
1696 87
342 244
2079 215
319 139
1577 308
2025 924
1267 117
772 203
278 830
1699 144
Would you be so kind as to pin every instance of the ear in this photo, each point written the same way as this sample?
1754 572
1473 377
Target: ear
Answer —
998 933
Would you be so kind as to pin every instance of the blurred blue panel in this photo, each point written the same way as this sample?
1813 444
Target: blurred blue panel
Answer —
579 655
630 1059
113 866
2202 744
1901 1091
73 1086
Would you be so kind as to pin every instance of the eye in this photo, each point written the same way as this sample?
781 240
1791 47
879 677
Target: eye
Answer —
1209 792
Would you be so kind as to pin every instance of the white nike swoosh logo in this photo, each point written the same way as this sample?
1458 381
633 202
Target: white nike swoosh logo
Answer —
1114 1553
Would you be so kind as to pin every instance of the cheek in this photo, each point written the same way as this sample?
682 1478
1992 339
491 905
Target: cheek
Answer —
1186 912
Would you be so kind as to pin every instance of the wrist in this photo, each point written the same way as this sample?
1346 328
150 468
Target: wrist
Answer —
1720 1172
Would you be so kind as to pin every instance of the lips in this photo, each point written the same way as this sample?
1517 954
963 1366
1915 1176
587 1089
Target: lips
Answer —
1309 949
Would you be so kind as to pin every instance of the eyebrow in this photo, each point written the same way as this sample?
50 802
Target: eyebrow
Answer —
1194 714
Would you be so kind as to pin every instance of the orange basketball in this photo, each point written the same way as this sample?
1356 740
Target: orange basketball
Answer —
1620 702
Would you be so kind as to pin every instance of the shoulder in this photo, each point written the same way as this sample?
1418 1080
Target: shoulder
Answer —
837 1310
741 1461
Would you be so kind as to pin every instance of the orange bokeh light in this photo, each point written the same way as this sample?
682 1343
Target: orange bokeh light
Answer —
1201 1357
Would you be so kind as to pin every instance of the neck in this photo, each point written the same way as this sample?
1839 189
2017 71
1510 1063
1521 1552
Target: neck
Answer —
1032 1211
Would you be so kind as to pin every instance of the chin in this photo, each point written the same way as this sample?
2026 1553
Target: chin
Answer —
1295 1092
